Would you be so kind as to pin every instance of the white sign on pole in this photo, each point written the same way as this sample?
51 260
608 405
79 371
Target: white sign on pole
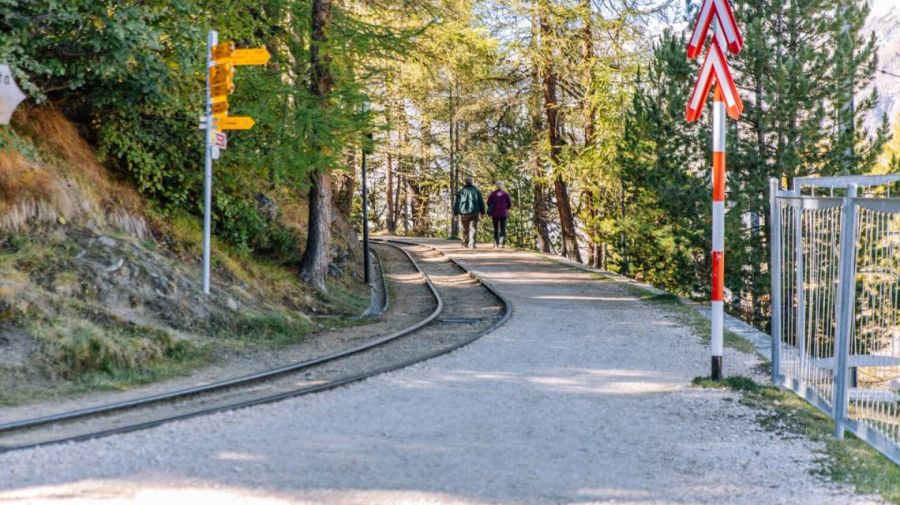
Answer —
10 94
221 140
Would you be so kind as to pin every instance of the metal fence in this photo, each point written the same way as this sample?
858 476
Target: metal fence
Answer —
835 273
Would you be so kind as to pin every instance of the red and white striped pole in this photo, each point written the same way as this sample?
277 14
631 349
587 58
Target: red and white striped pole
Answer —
718 15
718 233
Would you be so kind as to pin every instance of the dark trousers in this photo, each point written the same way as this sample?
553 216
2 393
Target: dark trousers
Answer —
499 229
470 228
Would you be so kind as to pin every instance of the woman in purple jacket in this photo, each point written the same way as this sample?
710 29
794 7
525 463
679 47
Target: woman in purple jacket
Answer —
499 204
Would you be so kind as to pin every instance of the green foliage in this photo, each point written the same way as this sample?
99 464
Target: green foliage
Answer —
112 53
664 224
88 348
238 222
265 329
733 382
801 64
132 74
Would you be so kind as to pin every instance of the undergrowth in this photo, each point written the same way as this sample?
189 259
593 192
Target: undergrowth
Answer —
850 461
73 347
274 329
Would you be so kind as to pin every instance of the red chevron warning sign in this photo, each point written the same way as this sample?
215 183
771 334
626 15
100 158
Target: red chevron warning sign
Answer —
720 10
714 66
726 37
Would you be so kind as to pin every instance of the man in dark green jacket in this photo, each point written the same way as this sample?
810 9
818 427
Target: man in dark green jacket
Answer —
469 206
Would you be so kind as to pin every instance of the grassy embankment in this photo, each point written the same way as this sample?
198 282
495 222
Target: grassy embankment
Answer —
850 461
99 289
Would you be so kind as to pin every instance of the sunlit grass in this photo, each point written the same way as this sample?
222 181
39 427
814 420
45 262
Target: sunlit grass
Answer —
850 461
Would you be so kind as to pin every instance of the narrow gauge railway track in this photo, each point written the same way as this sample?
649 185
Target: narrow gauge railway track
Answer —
465 309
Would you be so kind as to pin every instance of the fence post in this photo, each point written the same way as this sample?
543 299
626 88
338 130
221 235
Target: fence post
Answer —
775 256
845 302
800 319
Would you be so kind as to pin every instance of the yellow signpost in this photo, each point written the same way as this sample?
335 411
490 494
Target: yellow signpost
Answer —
222 51
234 123
256 56
220 62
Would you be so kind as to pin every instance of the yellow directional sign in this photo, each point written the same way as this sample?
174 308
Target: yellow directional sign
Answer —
255 56
221 82
220 107
221 79
234 123
221 72
223 89
222 51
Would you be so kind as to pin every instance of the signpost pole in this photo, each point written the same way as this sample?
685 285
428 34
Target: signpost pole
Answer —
211 41
714 72
718 234
365 220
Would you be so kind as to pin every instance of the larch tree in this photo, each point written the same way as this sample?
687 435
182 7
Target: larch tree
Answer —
548 72
314 265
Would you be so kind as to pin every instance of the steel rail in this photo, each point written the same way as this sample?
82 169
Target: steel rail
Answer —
233 382
507 311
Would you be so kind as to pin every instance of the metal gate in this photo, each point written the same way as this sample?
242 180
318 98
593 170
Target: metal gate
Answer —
835 270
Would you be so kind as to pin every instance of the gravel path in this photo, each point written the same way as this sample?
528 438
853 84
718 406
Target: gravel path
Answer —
582 397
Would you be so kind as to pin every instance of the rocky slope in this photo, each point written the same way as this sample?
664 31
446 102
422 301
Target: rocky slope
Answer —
97 289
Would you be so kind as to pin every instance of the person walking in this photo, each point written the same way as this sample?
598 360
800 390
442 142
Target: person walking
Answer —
499 204
469 206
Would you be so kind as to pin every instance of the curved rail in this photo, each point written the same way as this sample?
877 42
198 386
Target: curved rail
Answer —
507 311
507 307
236 381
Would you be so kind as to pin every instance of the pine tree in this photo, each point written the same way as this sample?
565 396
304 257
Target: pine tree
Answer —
854 65
666 200
889 160
802 67
549 75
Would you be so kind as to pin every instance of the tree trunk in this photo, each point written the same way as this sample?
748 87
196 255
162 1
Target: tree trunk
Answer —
566 220
314 265
421 199
418 200
623 240
390 220
590 116
554 136
454 169
540 209
345 186
408 207
398 198
594 247
315 259
539 201
587 77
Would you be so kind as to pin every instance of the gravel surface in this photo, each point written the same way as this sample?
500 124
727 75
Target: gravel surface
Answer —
582 397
